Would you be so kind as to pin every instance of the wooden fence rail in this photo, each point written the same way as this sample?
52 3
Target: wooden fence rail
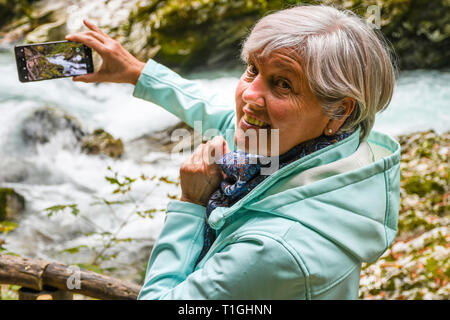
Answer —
38 276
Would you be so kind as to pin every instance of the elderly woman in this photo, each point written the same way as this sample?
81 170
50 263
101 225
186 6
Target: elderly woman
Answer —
316 77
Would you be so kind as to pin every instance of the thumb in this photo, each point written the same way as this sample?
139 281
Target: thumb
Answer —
220 144
90 77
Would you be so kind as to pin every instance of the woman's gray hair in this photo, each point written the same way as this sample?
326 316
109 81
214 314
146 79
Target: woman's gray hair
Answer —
341 56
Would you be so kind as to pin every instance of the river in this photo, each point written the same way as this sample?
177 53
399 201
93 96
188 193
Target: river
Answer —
58 173
70 68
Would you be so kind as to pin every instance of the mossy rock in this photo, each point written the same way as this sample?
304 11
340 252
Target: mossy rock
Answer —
101 142
45 122
209 32
52 31
10 10
193 33
11 204
419 31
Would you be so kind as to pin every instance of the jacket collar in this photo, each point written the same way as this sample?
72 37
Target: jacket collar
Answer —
339 150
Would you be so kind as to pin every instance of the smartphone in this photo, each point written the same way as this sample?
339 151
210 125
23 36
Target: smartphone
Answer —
52 60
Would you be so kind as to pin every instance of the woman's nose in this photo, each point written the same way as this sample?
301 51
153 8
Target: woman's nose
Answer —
254 93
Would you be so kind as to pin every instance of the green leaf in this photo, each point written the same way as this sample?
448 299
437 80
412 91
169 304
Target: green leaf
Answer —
147 213
90 267
7 226
75 210
166 180
113 181
106 233
118 240
74 249
58 208
107 202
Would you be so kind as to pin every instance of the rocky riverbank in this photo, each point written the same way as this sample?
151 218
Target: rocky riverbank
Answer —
188 34
417 265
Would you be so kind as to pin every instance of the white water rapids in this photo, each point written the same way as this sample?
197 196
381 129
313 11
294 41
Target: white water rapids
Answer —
70 68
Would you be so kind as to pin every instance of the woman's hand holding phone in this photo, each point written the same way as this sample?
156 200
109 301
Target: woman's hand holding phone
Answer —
118 64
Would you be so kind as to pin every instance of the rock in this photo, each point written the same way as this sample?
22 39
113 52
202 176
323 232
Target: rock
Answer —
192 33
13 169
27 15
101 142
187 34
164 137
10 10
210 32
161 141
419 32
11 204
53 31
46 122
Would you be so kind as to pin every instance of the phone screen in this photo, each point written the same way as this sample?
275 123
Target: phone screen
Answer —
53 60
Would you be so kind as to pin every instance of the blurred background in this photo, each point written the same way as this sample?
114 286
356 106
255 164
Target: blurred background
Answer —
86 170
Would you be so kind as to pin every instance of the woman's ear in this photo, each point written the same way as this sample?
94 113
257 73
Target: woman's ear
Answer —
348 105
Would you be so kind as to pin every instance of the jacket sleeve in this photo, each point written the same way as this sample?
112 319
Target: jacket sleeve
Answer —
248 267
186 99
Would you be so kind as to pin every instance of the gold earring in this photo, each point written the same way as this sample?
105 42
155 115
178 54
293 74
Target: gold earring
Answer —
330 131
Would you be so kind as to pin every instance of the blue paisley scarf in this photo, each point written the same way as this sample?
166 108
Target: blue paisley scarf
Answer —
243 173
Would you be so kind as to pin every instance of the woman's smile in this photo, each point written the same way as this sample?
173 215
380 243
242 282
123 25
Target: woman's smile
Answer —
252 121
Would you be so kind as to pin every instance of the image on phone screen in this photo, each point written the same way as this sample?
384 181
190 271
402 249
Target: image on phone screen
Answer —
53 60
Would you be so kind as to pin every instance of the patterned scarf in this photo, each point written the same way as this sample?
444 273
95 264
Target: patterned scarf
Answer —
243 173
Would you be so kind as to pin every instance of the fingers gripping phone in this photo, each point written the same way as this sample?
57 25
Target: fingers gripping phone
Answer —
51 60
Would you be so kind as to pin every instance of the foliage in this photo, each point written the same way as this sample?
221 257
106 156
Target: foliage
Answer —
106 249
417 264
7 226
9 292
7 196
11 9
58 208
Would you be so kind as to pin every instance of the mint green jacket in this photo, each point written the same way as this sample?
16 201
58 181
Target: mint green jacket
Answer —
300 234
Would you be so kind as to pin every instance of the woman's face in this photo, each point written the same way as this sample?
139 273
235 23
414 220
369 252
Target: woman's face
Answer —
274 92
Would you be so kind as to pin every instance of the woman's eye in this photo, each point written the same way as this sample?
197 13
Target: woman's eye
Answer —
283 84
251 70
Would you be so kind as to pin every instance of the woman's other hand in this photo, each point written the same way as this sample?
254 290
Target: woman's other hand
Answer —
118 64
200 175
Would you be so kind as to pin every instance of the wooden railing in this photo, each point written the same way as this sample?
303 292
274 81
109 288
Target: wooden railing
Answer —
59 281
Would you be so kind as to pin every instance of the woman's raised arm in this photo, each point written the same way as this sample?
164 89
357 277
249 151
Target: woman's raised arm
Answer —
118 64
188 100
